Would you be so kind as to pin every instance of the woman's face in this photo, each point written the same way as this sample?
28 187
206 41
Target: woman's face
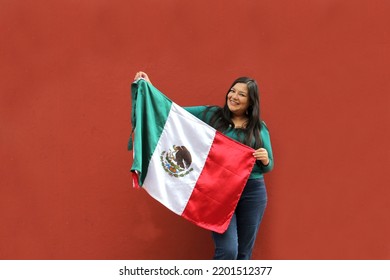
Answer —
238 99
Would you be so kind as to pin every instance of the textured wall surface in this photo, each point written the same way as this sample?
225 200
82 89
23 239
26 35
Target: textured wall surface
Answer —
65 74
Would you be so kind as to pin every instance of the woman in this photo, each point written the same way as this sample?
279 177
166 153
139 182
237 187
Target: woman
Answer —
239 119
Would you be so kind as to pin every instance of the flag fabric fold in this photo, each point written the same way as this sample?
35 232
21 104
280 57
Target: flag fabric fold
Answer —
182 162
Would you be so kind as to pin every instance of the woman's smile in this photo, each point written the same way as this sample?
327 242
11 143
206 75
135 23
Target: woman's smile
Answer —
238 101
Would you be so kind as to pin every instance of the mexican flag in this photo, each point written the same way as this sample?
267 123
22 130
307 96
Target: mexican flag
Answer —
185 164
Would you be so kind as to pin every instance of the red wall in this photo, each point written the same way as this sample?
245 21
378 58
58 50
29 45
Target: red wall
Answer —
66 69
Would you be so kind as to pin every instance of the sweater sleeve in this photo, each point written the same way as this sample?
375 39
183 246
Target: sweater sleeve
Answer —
265 136
203 113
197 111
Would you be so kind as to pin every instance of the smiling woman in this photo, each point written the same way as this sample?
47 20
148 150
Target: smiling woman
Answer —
240 120
238 103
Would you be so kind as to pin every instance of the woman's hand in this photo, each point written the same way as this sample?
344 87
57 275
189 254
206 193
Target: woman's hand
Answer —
142 75
262 155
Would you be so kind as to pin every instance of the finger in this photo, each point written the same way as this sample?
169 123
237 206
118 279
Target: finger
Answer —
139 75
143 75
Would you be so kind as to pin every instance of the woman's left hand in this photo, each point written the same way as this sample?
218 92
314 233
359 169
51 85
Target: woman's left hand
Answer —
262 155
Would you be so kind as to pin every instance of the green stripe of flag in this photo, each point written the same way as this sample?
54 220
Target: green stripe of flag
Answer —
148 123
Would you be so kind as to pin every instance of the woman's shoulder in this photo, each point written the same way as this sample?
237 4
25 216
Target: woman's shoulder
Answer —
264 127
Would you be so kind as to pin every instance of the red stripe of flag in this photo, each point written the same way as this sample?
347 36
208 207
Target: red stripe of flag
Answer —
220 184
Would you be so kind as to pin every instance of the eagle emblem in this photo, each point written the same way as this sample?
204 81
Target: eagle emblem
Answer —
177 161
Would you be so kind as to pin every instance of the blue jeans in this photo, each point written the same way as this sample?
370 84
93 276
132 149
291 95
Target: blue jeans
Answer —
237 242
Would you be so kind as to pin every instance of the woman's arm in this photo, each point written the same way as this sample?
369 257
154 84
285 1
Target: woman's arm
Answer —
264 154
197 111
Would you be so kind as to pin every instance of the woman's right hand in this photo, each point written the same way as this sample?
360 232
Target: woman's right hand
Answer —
142 75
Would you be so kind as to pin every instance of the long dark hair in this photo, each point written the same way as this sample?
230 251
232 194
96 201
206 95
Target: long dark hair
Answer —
221 119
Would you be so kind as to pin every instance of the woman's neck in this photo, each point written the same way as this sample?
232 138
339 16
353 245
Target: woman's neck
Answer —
240 121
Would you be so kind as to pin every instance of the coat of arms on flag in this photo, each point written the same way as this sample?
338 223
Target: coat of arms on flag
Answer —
177 161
